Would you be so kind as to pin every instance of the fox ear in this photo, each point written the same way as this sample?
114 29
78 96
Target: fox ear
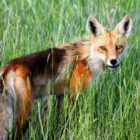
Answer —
124 26
94 26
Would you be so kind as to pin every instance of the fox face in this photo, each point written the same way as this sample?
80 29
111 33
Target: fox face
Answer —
107 46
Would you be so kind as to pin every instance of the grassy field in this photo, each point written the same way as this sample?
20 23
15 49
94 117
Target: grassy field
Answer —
109 108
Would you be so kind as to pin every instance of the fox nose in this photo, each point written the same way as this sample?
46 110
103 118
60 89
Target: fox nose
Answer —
113 61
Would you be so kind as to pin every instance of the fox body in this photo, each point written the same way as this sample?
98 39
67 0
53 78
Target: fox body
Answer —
28 77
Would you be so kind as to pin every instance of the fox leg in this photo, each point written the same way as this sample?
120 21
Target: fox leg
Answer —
59 101
24 91
6 116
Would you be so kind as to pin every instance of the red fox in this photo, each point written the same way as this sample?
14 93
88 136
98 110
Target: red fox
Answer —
25 78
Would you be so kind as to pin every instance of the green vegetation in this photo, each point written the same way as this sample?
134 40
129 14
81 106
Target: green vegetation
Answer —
109 108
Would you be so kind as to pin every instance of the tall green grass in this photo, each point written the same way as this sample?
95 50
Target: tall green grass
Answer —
109 108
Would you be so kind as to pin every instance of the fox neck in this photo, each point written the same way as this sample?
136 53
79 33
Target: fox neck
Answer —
96 61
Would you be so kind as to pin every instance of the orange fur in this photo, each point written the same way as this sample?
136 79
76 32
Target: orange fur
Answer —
24 92
80 76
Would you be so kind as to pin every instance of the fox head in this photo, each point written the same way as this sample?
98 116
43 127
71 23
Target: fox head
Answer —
108 45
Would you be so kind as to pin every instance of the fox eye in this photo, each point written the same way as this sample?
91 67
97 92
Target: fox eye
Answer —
119 47
103 48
